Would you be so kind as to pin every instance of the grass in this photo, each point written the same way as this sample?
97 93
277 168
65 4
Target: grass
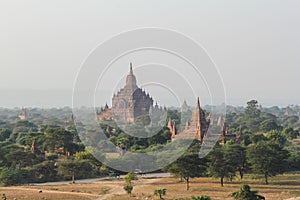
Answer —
280 187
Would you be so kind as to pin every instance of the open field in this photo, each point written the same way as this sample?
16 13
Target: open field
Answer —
280 187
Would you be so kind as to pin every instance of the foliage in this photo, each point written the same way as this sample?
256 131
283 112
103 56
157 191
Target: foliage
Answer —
189 165
236 157
220 165
267 158
56 142
128 187
246 194
160 192
202 197
130 177
78 168
9 176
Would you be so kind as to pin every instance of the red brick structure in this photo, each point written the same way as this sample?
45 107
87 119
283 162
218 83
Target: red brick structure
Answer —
129 103
196 128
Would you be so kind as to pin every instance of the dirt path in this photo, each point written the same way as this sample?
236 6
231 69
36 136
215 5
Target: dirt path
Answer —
117 189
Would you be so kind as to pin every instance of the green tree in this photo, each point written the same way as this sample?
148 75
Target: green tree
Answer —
9 176
252 110
277 137
4 134
246 194
56 138
189 165
251 116
130 177
268 125
76 168
220 165
290 133
267 158
160 192
236 156
128 187
43 172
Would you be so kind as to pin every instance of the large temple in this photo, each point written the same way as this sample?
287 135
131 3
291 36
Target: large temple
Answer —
129 103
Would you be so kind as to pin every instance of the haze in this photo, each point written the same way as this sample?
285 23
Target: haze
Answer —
255 44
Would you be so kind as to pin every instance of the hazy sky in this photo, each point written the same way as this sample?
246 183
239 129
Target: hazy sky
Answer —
255 43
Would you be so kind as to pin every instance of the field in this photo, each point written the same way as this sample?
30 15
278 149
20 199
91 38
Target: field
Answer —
280 187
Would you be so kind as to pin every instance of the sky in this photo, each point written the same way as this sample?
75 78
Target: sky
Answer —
254 43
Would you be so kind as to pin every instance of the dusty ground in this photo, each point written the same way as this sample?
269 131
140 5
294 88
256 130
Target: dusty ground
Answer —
280 187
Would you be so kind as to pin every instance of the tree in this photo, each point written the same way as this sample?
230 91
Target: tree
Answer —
4 134
9 176
236 155
160 192
290 133
251 116
128 187
252 110
246 194
220 165
78 168
58 138
277 137
267 158
189 165
268 125
130 177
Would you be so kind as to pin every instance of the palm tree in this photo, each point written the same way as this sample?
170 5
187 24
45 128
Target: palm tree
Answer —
160 192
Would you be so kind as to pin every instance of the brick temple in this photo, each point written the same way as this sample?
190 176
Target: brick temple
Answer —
129 103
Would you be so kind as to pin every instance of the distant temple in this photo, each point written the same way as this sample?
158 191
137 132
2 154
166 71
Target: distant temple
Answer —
24 114
129 103
196 128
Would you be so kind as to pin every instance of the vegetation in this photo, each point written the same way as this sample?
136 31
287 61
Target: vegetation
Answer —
246 194
128 187
160 192
203 197
188 165
46 147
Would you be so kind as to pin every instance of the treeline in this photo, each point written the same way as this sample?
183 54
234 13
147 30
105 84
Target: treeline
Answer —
48 148
41 153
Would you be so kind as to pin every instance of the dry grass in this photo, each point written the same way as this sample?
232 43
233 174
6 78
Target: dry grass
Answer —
280 187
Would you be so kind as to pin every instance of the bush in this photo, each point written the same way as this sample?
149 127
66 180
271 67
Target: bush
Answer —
202 197
128 188
246 194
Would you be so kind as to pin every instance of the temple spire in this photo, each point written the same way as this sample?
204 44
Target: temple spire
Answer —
131 80
130 70
198 102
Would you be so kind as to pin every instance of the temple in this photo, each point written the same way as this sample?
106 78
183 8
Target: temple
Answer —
195 129
129 103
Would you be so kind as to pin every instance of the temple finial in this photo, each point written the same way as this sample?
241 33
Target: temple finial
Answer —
131 71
